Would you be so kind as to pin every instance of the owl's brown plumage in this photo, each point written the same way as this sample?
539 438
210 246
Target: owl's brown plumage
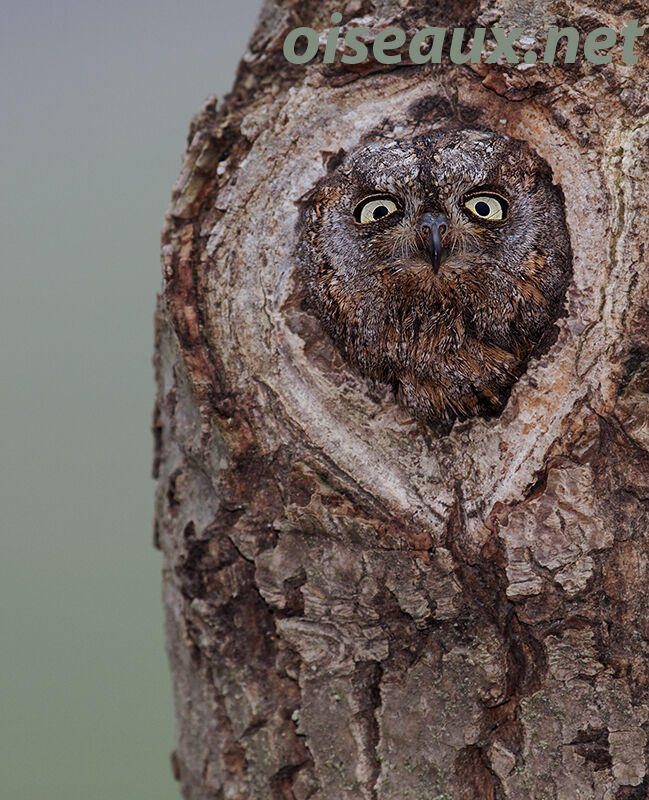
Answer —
438 264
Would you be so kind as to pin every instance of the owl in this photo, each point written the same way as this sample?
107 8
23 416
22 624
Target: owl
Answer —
438 264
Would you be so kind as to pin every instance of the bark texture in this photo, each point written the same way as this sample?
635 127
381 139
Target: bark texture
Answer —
357 609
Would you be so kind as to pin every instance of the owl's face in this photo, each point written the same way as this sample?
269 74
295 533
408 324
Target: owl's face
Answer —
438 264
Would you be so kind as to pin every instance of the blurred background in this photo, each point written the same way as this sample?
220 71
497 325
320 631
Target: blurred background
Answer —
95 103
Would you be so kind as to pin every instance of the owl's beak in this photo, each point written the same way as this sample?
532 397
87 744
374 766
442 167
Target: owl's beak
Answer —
430 230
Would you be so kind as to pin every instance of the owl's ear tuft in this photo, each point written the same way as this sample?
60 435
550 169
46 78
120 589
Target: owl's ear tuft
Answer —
332 160
309 197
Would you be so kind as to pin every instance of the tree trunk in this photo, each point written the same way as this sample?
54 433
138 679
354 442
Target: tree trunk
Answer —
358 609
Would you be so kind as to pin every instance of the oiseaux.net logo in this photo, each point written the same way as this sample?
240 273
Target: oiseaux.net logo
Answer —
301 45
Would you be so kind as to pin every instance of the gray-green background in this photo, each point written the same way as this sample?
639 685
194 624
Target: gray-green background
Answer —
95 102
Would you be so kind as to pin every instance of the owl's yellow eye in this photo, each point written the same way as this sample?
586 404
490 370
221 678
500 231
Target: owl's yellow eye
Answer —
373 209
489 207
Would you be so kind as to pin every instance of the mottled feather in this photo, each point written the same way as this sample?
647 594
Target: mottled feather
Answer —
451 342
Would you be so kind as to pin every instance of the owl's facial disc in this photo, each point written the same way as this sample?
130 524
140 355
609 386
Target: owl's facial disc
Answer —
430 230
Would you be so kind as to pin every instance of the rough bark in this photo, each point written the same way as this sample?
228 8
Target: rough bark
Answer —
356 608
